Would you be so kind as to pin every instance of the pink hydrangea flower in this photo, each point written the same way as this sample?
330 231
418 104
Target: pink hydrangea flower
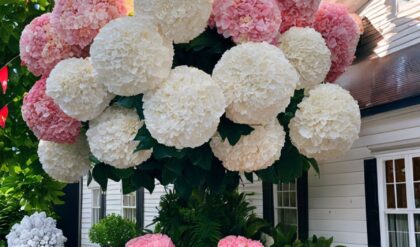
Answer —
41 49
247 20
341 34
299 13
238 241
151 240
46 119
79 21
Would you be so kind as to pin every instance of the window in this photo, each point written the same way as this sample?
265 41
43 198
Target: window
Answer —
401 5
285 206
96 205
399 199
129 207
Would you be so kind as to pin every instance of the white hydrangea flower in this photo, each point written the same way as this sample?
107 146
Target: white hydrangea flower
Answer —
253 152
308 53
72 87
186 110
36 230
111 138
179 20
65 162
130 57
326 124
258 82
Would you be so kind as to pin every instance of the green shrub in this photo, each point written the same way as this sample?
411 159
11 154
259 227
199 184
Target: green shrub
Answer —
113 231
205 218
9 215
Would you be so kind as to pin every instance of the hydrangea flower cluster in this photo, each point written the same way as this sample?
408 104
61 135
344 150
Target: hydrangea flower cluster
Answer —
46 119
185 111
111 138
66 163
151 240
179 20
257 85
341 34
40 47
36 230
73 87
247 20
78 22
130 57
253 152
307 52
326 124
297 13
238 241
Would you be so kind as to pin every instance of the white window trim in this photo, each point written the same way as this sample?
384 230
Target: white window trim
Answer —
396 8
382 195
127 207
92 206
276 206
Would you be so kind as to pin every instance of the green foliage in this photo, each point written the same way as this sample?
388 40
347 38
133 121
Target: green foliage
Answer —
23 184
288 239
205 218
113 231
9 215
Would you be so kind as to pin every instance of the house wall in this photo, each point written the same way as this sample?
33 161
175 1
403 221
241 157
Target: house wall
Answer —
398 27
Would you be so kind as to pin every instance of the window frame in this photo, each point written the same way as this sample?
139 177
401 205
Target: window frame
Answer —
397 7
411 209
129 207
277 207
92 206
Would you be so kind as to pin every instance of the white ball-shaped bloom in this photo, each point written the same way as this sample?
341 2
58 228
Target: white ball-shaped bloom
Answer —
65 162
72 87
36 230
130 57
179 20
257 80
326 123
253 152
186 110
308 53
111 138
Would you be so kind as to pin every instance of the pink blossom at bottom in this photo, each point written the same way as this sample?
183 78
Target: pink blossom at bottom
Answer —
46 119
341 34
151 240
238 241
299 13
247 20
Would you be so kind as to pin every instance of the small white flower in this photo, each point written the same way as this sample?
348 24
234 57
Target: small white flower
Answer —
36 230
326 124
253 152
186 110
111 138
72 86
130 57
308 53
179 20
257 80
64 162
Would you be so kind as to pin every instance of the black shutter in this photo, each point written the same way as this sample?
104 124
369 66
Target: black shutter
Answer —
268 202
140 208
102 211
372 203
302 205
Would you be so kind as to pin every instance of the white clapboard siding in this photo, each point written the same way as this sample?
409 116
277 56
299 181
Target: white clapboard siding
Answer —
151 204
399 28
256 197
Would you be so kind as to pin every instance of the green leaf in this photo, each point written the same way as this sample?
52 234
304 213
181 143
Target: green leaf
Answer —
161 152
128 186
176 166
89 178
100 174
131 102
201 157
143 179
145 138
168 177
249 176
232 131
123 173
